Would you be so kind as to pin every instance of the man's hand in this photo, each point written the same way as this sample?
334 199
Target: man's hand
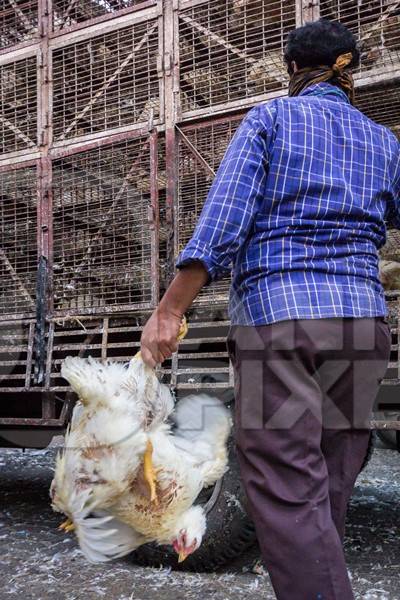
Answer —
160 337
160 334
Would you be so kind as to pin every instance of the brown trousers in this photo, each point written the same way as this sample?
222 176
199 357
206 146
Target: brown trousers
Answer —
304 395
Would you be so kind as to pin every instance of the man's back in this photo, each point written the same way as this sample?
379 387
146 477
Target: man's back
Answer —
306 246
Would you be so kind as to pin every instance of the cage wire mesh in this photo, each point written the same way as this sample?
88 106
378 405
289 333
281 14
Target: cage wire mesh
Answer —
117 338
382 104
106 82
18 242
18 21
210 141
164 231
377 25
231 50
15 355
18 105
67 13
102 238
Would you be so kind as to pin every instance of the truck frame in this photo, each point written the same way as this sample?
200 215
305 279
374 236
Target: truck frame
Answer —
114 117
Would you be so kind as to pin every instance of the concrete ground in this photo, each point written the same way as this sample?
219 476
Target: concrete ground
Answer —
39 562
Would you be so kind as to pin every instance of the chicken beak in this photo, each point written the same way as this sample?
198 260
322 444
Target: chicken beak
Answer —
182 556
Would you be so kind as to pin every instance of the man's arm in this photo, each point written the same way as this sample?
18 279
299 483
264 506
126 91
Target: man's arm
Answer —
159 337
225 221
234 197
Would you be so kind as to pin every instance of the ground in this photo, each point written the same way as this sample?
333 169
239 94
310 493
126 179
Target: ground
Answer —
39 562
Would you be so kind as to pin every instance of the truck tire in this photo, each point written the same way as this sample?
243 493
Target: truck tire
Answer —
370 450
230 532
388 436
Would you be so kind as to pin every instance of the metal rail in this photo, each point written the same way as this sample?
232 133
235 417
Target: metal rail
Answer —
114 117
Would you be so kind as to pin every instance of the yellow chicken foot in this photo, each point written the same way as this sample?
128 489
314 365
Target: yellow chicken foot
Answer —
150 474
67 526
183 329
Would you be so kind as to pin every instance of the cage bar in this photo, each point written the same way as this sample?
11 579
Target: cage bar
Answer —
102 210
68 13
376 24
16 342
18 105
382 104
200 150
232 50
18 22
106 82
18 242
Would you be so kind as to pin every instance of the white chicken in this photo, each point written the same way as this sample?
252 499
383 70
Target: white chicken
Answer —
124 477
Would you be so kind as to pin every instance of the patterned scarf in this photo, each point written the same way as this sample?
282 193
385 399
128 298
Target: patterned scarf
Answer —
310 75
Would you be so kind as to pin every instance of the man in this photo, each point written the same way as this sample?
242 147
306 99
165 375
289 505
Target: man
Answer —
298 208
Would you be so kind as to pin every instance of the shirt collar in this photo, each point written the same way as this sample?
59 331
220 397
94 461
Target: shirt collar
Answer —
333 92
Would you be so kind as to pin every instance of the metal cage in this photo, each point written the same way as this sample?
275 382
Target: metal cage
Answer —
382 104
18 110
68 13
200 151
230 51
114 117
106 82
377 26
18 22
104 217
18 241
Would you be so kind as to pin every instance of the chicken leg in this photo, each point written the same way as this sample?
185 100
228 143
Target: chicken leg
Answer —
150 474
67 526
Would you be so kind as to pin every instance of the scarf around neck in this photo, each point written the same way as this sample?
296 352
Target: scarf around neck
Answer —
303 78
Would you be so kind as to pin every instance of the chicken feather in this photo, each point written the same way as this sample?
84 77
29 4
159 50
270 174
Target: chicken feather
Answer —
100 476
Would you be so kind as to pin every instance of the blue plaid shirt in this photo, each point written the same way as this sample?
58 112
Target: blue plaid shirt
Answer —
298 207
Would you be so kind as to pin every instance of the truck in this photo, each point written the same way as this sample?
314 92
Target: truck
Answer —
114 117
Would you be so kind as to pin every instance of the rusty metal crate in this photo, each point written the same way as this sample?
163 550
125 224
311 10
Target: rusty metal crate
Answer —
18 105
377 25
105 219
165 228
106 82
232 50
392 376
382 104
200 150
18 22
201 363
16 351
117 338
18 242
68 13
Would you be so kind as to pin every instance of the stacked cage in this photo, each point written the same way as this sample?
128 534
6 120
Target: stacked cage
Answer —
114 117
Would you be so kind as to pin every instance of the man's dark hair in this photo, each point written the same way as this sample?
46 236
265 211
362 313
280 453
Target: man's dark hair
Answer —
320 43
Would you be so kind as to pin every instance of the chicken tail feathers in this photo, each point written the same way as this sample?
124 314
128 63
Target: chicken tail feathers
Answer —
93 381
102 537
